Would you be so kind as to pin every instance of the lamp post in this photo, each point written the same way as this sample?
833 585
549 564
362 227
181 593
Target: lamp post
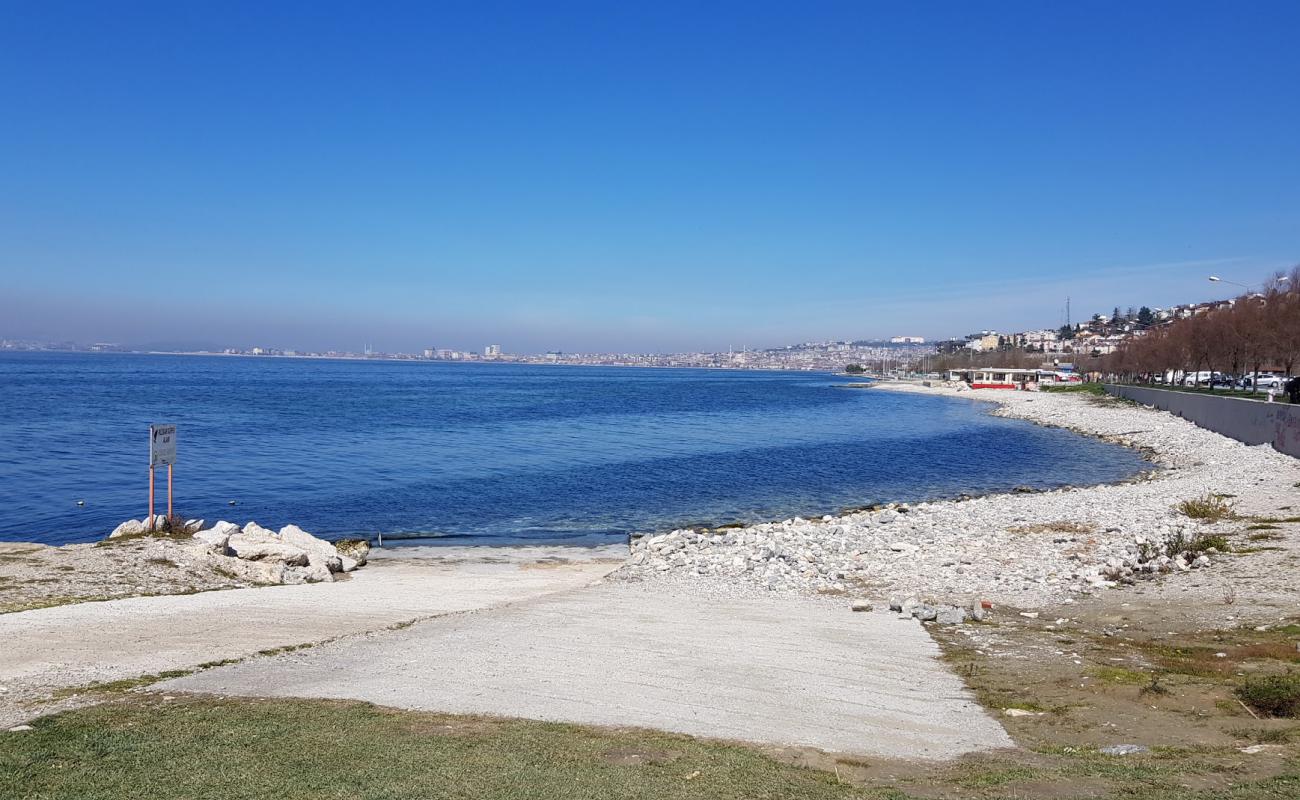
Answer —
1217 279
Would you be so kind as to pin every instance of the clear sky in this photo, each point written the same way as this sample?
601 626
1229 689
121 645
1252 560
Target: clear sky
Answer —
633 176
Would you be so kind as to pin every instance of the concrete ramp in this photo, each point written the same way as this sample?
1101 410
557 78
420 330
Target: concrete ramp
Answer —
771 670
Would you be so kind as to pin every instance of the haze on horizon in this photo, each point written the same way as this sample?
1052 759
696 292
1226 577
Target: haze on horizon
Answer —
643 177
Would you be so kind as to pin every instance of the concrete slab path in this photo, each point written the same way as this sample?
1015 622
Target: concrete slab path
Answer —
69 646
774 670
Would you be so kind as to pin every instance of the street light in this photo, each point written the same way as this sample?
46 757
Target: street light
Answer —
1217 279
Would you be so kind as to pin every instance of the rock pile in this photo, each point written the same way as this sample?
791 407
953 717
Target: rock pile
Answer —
289 556
950 549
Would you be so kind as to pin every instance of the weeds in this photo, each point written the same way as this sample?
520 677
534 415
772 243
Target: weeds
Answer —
1212 542
1208 508
1276 695
1154 687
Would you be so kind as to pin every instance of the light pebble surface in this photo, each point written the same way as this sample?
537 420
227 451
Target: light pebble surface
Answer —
987 548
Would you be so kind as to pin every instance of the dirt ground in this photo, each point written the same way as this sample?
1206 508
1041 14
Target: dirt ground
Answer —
1154 664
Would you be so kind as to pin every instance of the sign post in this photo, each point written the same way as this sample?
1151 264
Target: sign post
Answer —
162 450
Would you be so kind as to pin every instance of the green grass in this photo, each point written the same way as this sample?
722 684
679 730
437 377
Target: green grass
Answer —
228 749
125 684
1077 388
1275 695
1261 397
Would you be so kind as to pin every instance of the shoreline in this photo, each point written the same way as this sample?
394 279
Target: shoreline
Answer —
1026 550
867 558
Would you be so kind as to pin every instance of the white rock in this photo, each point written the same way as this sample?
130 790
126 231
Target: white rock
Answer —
132 527
214 541
254 530
319 552
259 547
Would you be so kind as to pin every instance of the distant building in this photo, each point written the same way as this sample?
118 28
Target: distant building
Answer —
907 340
429 352
983 342
492 351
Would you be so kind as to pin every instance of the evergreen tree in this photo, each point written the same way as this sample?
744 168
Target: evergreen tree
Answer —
1146 316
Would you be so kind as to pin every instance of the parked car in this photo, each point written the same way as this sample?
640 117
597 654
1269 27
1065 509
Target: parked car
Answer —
1264 381
1200 378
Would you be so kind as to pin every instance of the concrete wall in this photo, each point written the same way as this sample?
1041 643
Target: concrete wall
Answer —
1249 421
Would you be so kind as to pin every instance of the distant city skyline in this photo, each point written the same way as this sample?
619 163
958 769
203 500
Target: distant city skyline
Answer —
663 178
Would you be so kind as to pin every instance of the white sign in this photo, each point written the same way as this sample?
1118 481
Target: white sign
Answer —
162 445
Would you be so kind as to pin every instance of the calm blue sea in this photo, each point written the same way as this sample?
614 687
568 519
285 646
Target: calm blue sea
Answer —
490 453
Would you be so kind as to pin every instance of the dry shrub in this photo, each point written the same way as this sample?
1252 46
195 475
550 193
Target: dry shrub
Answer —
1207 508
1276 695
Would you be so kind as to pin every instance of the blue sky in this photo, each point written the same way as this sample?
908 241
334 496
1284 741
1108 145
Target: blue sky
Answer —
619 176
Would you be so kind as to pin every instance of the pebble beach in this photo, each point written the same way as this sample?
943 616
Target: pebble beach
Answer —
1025 550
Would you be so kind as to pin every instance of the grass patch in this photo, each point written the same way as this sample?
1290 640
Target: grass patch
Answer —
47 602
1274 520
1077 388
120 686
1275 695
1212 542
293 750
1208 508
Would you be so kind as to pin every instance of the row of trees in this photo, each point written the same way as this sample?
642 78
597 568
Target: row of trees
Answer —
1260 331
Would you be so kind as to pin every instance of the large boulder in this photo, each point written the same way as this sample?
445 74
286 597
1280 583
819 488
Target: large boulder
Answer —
263 572
217 538
228 528
312 573
320 553
253 529
255 543
356 549
214 541
132 527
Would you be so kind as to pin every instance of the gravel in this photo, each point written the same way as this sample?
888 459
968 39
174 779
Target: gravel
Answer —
1026 550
